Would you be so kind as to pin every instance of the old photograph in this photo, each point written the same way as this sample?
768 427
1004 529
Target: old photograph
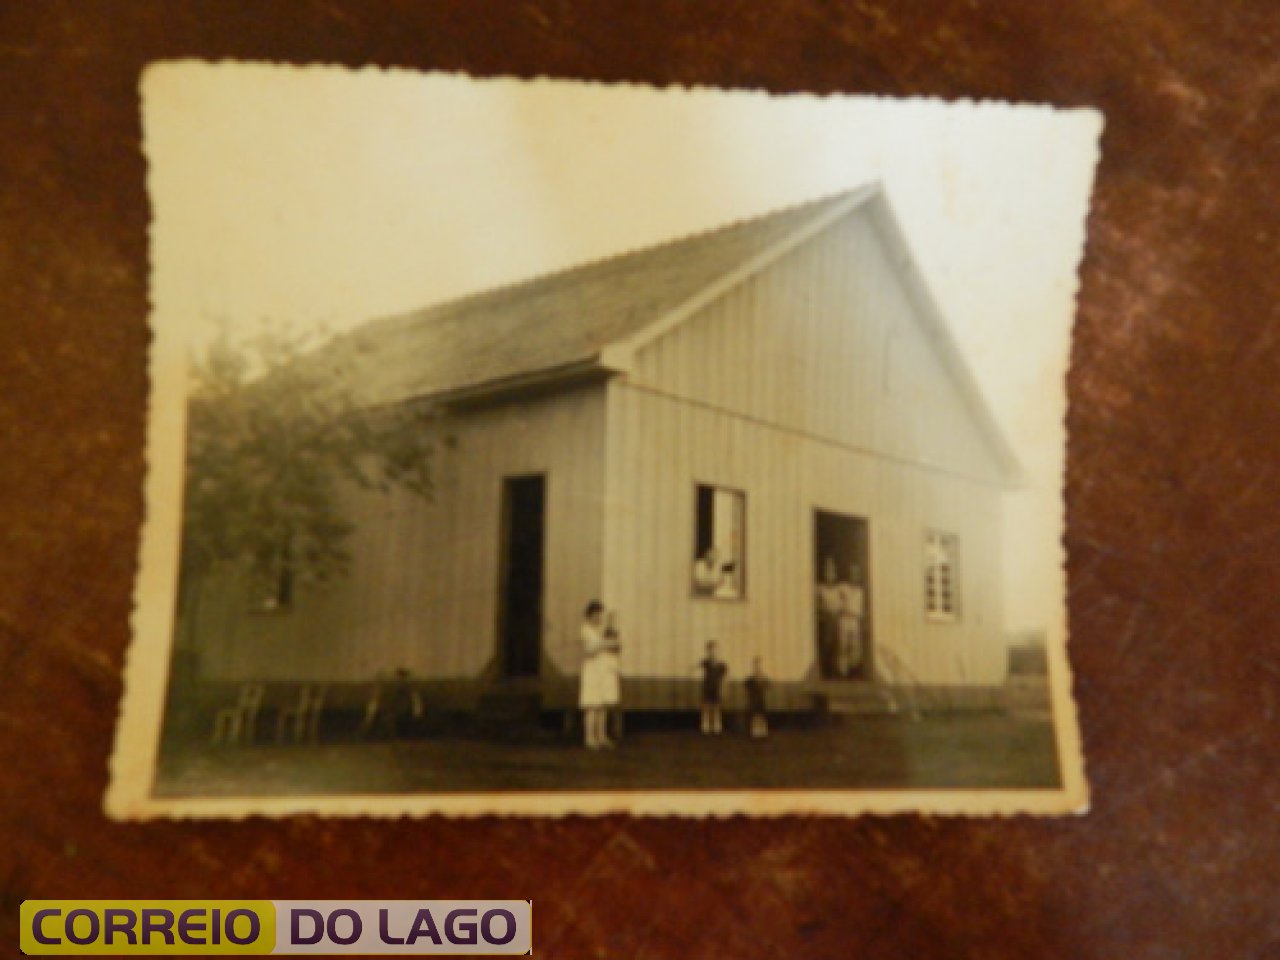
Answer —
544 447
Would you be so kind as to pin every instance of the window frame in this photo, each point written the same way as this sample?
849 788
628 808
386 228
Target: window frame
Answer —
741 494
936 615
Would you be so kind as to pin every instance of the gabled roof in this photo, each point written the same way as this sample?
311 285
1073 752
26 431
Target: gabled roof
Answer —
558 323
588 320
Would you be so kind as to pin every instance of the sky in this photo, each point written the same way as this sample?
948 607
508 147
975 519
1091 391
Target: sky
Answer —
324 197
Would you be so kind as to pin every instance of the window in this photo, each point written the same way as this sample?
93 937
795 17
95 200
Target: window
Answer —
941 579
719 543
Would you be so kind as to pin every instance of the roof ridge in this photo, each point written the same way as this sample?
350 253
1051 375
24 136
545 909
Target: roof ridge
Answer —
569 315
828 211
494 293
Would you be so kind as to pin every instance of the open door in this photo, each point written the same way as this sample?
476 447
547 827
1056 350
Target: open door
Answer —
842 623
521 575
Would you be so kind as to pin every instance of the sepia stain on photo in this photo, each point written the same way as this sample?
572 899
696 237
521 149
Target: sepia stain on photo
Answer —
719 522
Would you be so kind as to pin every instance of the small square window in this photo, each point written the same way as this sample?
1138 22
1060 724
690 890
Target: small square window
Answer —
719 543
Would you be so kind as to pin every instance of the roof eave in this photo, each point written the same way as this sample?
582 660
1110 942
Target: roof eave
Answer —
531 383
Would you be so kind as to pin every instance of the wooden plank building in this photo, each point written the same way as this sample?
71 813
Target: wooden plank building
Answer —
783 390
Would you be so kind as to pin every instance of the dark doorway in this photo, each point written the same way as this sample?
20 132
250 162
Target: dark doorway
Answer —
520 575
842 623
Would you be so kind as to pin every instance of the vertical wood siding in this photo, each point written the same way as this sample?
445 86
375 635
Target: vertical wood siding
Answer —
810 386
422 593
826 342
665 446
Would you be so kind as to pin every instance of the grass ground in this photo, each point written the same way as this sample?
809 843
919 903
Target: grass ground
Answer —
988 750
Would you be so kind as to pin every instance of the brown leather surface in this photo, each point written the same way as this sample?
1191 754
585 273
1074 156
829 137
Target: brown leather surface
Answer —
1173 529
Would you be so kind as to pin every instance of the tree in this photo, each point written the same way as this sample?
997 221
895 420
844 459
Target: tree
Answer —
273 435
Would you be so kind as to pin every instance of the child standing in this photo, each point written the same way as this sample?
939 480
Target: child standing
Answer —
757 687
713 673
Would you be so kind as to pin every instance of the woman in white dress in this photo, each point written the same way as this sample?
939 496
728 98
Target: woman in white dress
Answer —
599 679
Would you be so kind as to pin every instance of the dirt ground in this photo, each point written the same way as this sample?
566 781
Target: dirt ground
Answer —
975 751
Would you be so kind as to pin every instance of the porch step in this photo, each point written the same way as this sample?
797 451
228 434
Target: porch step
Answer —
853 698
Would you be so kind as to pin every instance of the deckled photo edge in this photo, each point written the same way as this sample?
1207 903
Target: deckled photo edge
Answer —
135 755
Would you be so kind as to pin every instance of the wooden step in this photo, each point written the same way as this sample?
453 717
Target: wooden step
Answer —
855 698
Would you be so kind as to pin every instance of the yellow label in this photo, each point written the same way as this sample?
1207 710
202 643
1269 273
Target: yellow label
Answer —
125 928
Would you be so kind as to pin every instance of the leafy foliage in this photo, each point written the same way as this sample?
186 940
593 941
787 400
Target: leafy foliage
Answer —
273 437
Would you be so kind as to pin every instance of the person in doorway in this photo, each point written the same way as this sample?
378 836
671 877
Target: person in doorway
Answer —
714 670
828 604
599 687
852 606
757 689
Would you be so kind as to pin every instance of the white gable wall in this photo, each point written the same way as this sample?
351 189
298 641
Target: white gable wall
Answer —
780 388
826 342
659 448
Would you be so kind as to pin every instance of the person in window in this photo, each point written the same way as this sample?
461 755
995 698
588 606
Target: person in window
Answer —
828 596
599 687
852 604
714 670
730 584
710 576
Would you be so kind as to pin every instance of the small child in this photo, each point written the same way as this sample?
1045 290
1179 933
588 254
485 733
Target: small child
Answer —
757 686
713 673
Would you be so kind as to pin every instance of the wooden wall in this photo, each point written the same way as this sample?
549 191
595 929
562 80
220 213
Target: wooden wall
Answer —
789 388
826 341
422 593
660 447
781 389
